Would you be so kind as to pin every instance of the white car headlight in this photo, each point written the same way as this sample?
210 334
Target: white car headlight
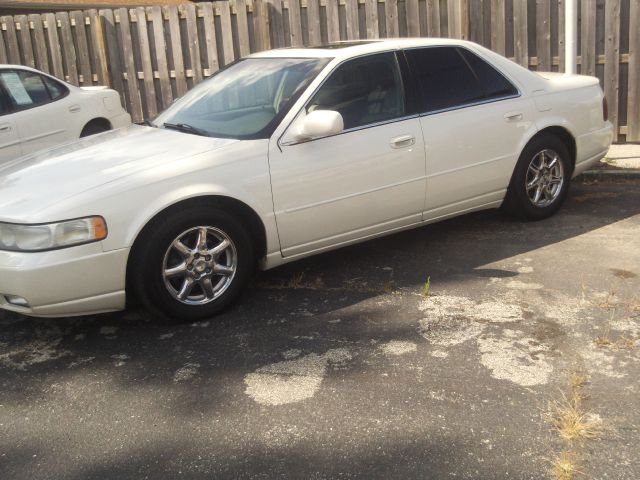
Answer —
50 236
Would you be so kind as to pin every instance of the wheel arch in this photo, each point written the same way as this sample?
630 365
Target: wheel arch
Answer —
564 135
249 217
97 121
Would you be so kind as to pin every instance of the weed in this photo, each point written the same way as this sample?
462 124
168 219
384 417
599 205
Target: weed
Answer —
572 422
565 466
426 287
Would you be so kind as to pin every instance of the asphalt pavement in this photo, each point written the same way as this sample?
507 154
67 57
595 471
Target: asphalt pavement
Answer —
349 365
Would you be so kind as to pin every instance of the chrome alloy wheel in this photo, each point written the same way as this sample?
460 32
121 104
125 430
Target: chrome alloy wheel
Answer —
199 265
545 178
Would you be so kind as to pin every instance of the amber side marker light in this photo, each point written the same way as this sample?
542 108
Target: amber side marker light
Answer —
99 228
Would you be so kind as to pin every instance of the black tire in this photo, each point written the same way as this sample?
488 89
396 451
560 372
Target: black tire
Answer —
92 128
517 201
153 256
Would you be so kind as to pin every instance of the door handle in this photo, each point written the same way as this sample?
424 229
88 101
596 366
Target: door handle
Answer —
402 141
5 127
512 116
74 108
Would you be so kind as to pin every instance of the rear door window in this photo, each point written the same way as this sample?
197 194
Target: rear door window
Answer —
444 78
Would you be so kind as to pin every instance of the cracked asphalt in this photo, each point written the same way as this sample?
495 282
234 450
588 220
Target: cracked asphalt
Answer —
339 366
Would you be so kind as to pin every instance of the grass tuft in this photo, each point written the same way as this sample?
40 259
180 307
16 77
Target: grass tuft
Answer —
426 287
572 422
565 466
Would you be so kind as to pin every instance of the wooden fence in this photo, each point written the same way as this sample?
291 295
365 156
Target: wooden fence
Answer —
153 54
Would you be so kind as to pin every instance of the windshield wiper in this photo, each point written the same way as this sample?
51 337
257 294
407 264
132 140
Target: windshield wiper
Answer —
186 128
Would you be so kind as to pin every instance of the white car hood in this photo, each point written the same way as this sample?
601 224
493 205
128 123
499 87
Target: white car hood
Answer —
32 183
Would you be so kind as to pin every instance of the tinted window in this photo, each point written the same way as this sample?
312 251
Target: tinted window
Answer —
365 90
444 78
4 108
28 89
492 82
56 89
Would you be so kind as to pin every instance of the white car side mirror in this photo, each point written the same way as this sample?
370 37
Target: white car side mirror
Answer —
321 123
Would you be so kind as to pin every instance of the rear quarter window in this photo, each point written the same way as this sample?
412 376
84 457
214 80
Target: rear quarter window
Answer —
494 84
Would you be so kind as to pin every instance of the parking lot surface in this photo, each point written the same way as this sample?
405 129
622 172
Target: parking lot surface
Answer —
351 365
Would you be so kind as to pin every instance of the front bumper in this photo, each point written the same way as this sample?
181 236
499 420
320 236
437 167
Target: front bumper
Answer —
71 281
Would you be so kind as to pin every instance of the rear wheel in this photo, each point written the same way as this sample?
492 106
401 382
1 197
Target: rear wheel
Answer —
540 182
192 264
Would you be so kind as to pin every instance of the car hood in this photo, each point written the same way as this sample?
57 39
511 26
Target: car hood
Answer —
33 182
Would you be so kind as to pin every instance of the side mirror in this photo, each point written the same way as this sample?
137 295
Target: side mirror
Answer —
321 123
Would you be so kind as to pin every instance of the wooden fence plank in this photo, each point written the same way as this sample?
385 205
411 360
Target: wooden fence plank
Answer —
413 18
82 47
145 58
39 44
543 34
612 58
189 10
68 48
588 37
561 35
113 52
433 18
176 49
476 22
157 20
98 47
211 45
3 48
353 29
391 18
53 41
24 37
333 23
130 67
243 27
520 38
261 24
11 40
227 32
458 19
498 26
313 22
633 97
371 15
276 22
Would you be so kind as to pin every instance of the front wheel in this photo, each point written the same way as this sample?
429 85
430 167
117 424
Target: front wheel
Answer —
540 182
192 264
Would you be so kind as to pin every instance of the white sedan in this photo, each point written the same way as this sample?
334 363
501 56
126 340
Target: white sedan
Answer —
39 111
285 154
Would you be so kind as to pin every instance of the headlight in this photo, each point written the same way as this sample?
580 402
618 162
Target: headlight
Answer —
33 238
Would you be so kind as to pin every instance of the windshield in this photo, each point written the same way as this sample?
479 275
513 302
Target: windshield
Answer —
245 100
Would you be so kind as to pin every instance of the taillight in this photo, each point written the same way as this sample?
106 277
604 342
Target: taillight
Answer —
605 109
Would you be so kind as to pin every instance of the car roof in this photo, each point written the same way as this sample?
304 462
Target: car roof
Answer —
356 48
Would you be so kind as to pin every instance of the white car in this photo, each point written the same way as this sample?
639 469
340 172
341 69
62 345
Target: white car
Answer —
285 154
39 111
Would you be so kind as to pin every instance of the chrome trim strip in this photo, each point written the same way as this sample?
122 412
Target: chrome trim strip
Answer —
43 135
351 195
470 104
445 172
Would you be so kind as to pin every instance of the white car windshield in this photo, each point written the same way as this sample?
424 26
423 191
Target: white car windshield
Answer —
243 101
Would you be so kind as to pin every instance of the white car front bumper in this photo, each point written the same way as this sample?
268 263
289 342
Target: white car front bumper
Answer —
71 281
